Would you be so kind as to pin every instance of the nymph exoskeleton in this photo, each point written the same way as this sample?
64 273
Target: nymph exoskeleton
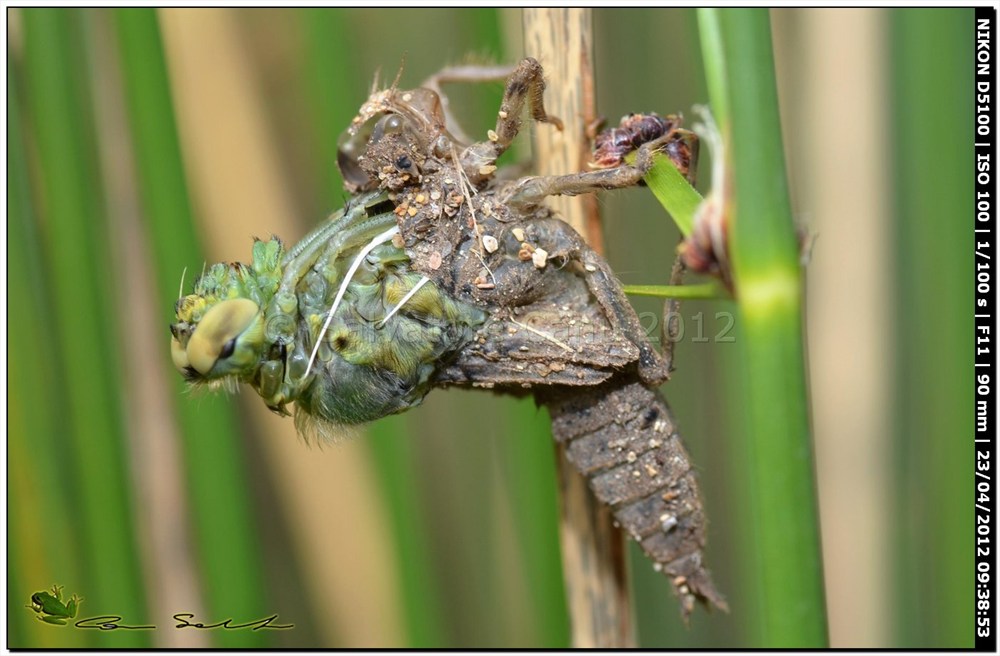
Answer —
487 287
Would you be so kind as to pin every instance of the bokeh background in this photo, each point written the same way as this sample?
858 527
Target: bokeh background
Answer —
142 142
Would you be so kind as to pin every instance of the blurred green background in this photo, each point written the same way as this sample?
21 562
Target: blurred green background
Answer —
142 142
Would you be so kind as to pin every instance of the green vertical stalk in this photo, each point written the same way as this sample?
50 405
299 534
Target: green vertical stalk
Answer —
40 484
932 70
227 540
328 46
394 454
77 259
712 45
536 516
765 260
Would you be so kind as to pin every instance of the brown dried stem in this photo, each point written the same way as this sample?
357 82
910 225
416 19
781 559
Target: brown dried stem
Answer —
594 563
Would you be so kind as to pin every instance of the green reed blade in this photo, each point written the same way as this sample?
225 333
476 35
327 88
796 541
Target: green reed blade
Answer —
225 531
674 192
932 70
82 274
531 477
40 468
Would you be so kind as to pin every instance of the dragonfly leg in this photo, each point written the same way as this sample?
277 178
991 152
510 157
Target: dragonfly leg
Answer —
526 84
472 73
671 316
533 190
458 75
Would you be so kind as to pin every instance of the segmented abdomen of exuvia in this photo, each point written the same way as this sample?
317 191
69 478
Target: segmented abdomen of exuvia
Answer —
622 437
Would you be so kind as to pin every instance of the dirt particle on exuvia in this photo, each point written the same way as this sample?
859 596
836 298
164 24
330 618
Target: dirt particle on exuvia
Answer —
539 258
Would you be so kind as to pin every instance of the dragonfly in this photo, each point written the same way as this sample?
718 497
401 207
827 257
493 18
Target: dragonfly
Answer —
440 271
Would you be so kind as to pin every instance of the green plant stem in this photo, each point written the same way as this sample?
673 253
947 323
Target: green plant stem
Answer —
933 427
328 43
227 542
703 291
710 31
768 281
81 275
41 486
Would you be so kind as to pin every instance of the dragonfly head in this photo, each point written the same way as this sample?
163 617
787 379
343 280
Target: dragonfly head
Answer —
219 333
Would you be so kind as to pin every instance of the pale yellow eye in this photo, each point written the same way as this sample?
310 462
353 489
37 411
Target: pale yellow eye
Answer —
178 355
214 337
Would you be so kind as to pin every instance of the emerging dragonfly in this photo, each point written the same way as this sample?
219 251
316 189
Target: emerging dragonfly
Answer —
439 272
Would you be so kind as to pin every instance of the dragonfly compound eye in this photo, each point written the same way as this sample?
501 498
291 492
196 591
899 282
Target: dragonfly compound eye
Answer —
218 333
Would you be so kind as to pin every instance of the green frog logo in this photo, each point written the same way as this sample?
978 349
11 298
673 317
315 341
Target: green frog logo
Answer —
50 607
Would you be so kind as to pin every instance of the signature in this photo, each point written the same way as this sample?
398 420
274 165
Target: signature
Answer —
263 623
109 623
113 623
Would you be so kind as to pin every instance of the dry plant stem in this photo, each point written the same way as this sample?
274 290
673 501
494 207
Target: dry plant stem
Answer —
594 563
